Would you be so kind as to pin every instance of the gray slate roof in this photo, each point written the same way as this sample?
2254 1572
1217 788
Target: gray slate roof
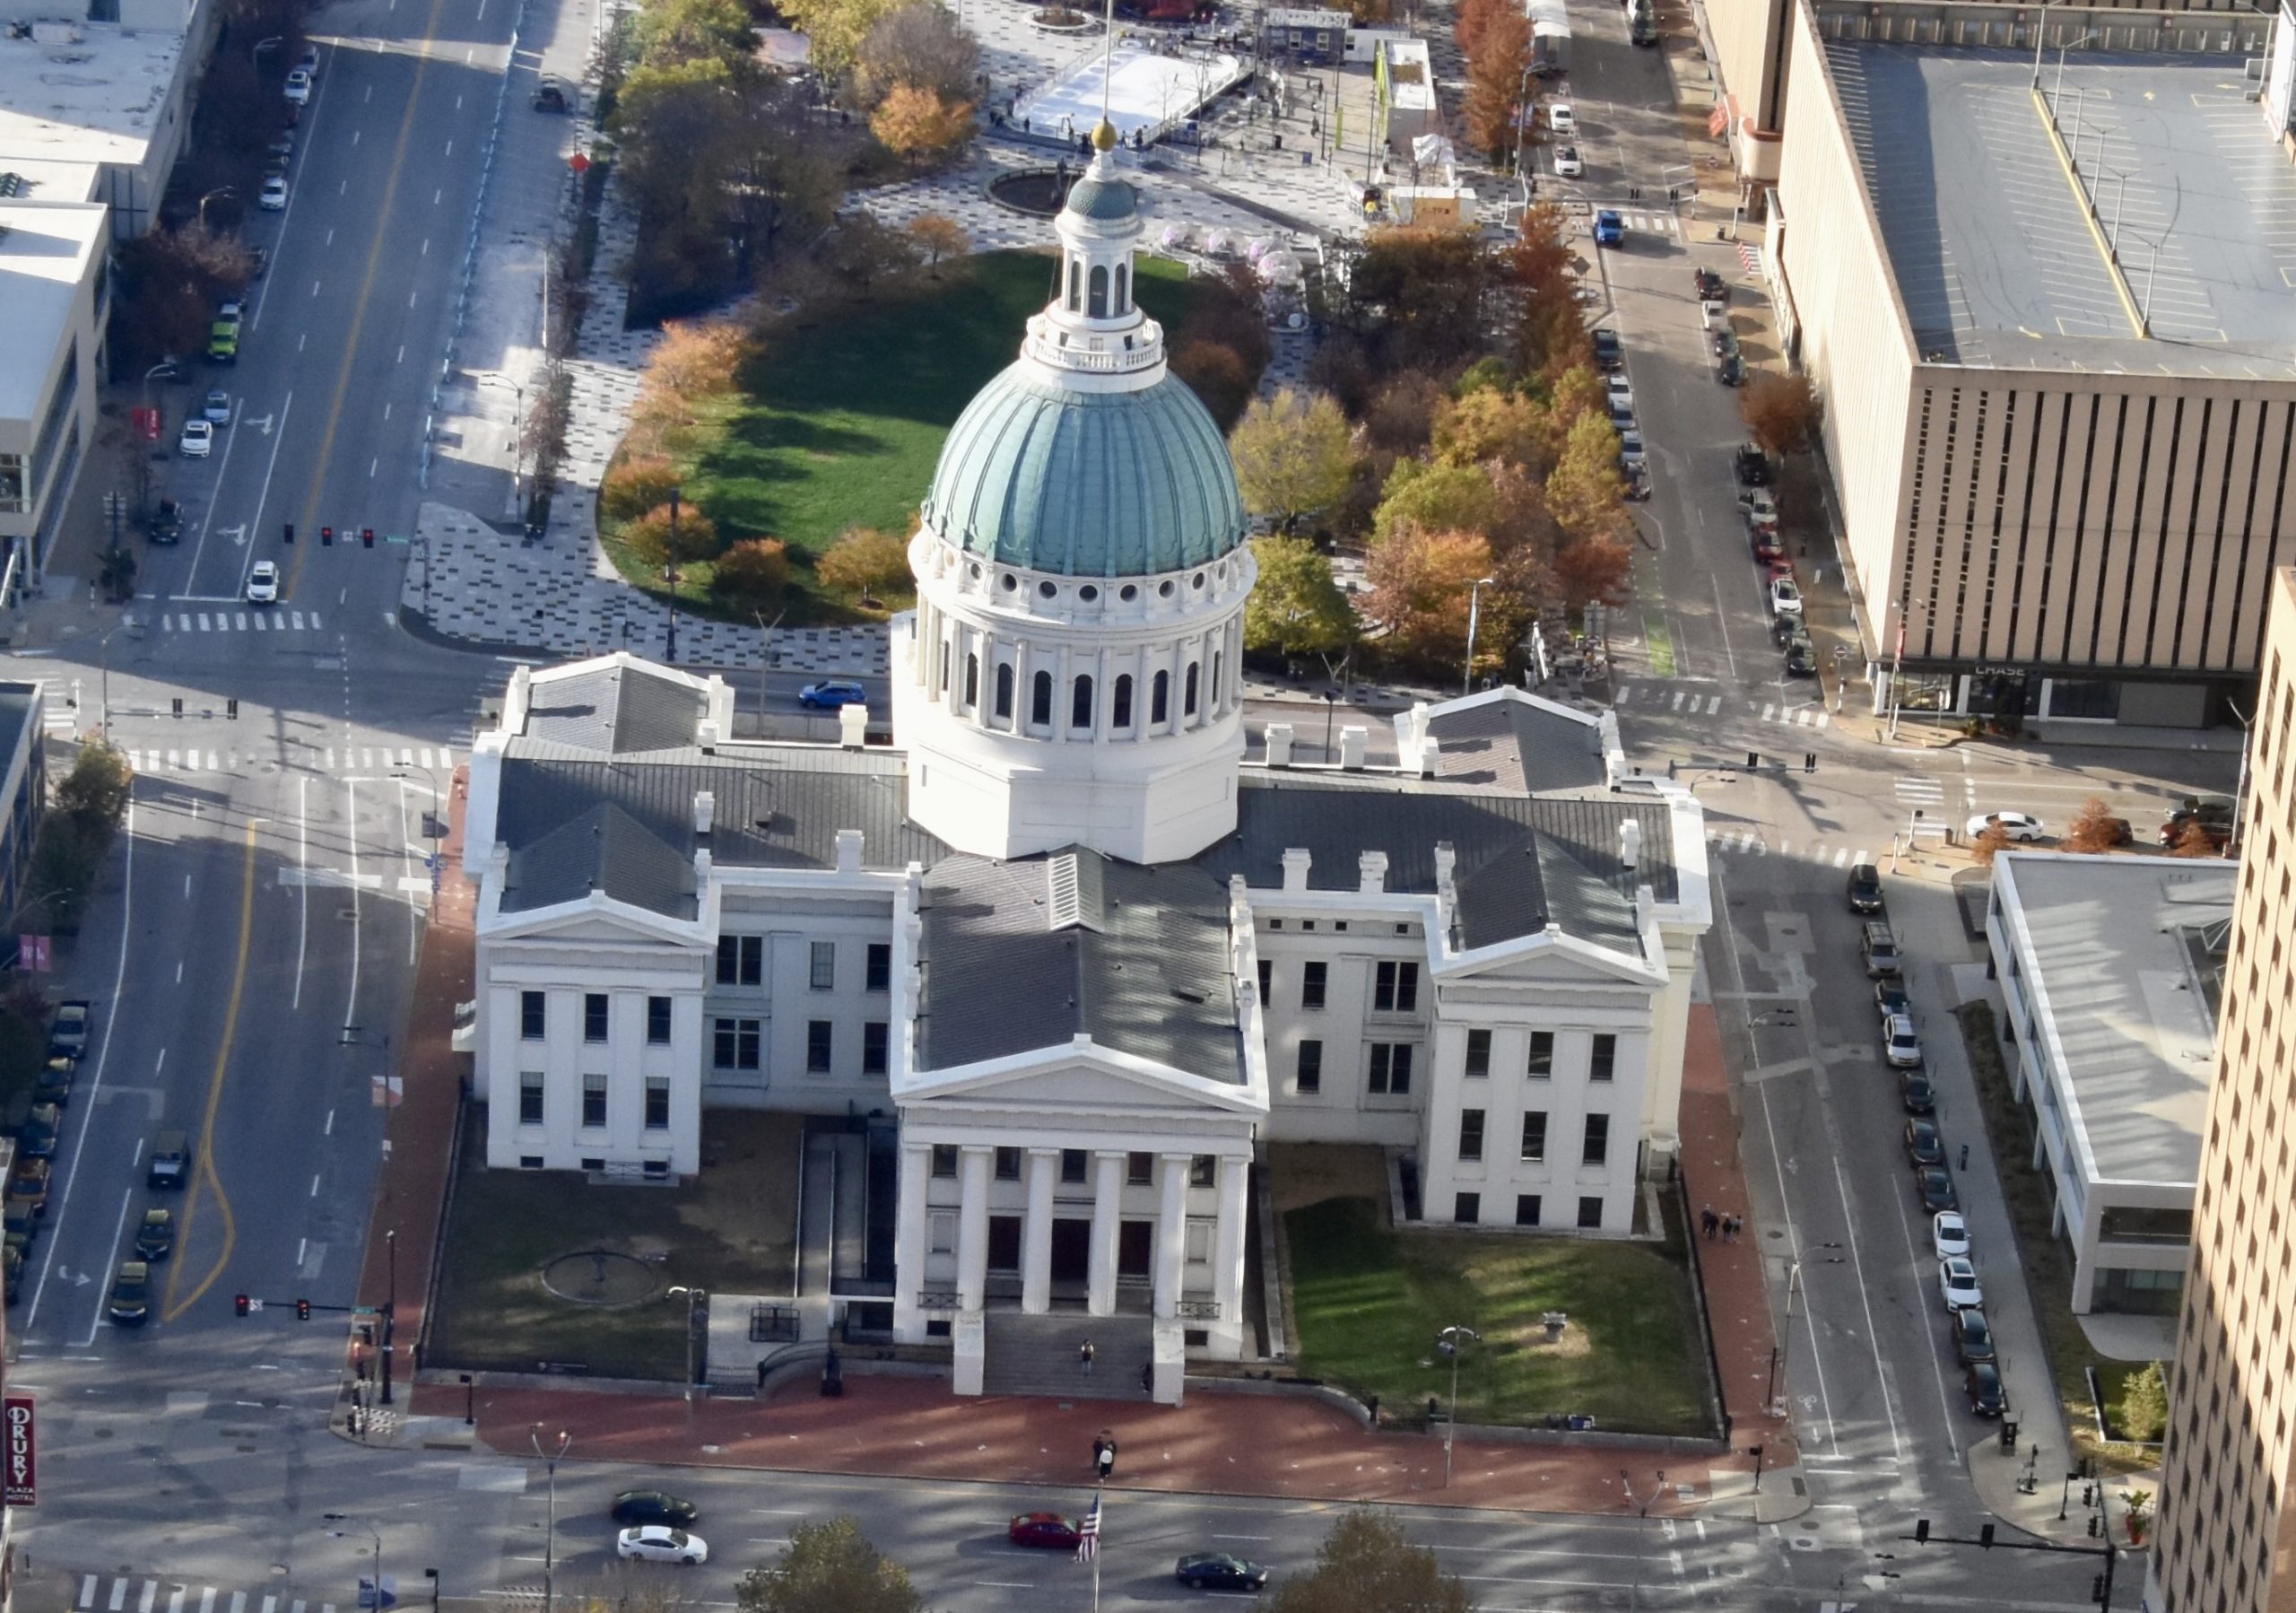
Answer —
616 710
1513 745
1521 860
604 849
1141 965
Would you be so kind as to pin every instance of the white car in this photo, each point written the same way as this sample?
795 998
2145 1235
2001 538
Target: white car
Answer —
1957 1283
659 1543
273 198
299 86
198 440
1561 120
1761 509
1567 163
1620 392
2016 825
1899 1046
1785 597
307 63
263 583
217 407
1630 452
1949 1233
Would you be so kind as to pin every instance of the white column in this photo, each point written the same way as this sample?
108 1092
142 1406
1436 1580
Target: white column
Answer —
908 1237
1108 1200
1228 1239
1171 1232
972 1227
1036 1234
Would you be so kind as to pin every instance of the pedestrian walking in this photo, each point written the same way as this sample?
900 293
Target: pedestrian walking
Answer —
1707 1222
1104 1454
1965 1156
1148 1378
1730 1227
1084 1356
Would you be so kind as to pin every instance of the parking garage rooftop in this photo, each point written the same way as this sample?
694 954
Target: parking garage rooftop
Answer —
1987 227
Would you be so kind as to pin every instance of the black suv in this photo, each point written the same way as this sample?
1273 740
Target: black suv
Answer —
1607 352
1712 287
1865 889
1751 466
1972 1334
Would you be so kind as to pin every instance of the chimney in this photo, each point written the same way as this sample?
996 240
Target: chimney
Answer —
848 848
1278 736
705 811
1296 862
1629 845
1446 858
1414 744
707 735
1354 741
702 864
853 725
1371 873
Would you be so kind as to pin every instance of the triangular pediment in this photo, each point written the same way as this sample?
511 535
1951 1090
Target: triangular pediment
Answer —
1547 959
594 921
1079 1079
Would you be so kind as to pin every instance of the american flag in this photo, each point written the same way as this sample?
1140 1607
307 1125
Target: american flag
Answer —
1088 1534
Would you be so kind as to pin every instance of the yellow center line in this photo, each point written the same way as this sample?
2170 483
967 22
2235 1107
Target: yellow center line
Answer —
310 517
171 1308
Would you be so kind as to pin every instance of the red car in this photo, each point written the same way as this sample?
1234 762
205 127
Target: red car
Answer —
1768 546
1043 1529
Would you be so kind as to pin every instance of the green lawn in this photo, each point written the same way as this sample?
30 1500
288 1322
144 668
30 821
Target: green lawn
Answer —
731 1229
839 424
1369 1302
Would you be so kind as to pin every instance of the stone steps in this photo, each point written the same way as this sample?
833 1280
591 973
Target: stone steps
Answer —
1039 1355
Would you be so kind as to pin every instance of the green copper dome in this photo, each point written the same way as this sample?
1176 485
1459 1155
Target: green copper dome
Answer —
1086 484
1104 201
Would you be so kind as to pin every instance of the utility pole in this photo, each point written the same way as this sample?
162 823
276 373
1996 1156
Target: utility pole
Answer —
390 1300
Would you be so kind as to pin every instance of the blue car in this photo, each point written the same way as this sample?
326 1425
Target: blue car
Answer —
1610 229
829 696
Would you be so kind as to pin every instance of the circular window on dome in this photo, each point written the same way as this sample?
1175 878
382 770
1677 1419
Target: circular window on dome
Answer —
1164 590
1127 593
1010 581
1087 593
975 573
1045 590
1197 582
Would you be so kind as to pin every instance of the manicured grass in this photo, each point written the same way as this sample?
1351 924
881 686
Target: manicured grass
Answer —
731 1229
1369 1302
839 422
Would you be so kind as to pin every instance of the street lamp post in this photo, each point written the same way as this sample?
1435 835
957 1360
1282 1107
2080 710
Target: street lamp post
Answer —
550 1514
255 51
390 1307
371 1530
1785 1350
470 1400
671 569
1451 1341
1474 606
1657 1488
692 1297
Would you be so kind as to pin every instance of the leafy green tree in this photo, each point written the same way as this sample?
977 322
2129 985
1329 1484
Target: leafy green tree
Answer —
669 32
829 1568
2143 1412
1294 456
96 790
1490 424
1368 1564
1584 488
1296 608
1439 497
836 29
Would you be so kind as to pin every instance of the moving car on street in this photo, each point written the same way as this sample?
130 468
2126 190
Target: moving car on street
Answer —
832 695
1217 1571
130 1305
653 1506
1567 164
198 439
156 1237
653 1543
1865 897
1610 229
1562 118
263 583
1048 1530
2021 826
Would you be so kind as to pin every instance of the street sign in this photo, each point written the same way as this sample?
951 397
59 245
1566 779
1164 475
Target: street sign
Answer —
254 1305
365 1311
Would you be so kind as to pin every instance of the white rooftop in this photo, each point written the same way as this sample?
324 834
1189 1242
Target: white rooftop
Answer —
44 180
1410 74
44 252
83 91
2116 952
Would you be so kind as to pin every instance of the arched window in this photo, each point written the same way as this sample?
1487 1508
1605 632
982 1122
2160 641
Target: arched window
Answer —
1122 287
1160 697
972 682
1004 689
1075 284
1080 704
945 666
1096 303
1215 679
1040 700
1188 699
1120 716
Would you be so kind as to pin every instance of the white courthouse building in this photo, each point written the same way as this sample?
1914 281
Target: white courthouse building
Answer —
1066 956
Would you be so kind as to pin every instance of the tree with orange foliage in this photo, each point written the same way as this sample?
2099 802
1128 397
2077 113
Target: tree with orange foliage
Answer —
1495 80
916 123
636 485
752 573
939 236
1468 21
1584 489
1419 581
2194 840
1595 570
1991 844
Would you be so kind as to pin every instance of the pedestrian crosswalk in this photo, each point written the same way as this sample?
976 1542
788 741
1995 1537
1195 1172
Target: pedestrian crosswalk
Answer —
438 761
128 1594
1698 702
1750 842
241 621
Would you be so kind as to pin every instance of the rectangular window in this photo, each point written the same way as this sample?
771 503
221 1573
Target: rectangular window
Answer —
1603 1066
1266 980
1526 1209
1139 1170
1466 1209
1008 1164
1395 989
1073 1164
1590 1213
530 1097
1542 1063
1203 1170
735 1043
824 967
1596 1149
943 1225
1312 979
881 967
594 1098
1478 1052
658 1103
944 1160
874 1038
657 1022
1469 1134
1310 1075
1196 1242
593 1016
741 959
533 1017
1391 1068
1534 1136
818 1034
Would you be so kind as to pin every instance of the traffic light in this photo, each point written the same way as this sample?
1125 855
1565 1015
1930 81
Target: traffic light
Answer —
287 533
2097 1590
327 534
1753 760
302 1309
1809 761
367 538
1921 1532
238 1304
1985 1536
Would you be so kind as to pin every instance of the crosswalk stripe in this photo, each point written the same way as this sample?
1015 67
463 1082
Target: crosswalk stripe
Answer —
207 1598
203 621
1713 704
1767 712
151 1594
296 618
172 758
1824 718
1841 858
1678 699
88 1591
1862 855
426 757
406 758
1624 694
175 1600
239 1602
270 1603
315 620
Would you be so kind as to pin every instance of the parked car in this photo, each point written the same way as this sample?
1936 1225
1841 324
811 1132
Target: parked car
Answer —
1620 391
1972 1334
2017 826
1632 458
216 407
1561 118
832 695
273 195
223 342
1217 1571
1935 1183
258 261
1949 1235
1923 1145
68 1034
53 1083
653 1543
308 61
130 1305
166 524
2214 814
1880 945
1730 368
1751 466
1761 509
1568 163
1915 1094
198 439
1801 657
1768 546
1711 286
11 1271
1042 1528
28 1184
263 583
1957 1283
298 87
1981 1381
1889 997
1900 1045
1608 352
653 1506
1785 597
36 1138
282 145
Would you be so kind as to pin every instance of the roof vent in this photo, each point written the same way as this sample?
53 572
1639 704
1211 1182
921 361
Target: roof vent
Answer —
1630 843
1297 861
1278 736
1354 740
848 851
705 811
1072 892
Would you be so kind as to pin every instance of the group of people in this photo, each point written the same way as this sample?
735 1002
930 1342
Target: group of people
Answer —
1727 1227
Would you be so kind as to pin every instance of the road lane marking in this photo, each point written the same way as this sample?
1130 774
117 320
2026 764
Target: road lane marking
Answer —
303 863
103 1293
205 1176
151 1594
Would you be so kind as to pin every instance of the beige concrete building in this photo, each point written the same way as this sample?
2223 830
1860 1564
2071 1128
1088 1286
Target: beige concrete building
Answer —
2048 311
2227 1536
